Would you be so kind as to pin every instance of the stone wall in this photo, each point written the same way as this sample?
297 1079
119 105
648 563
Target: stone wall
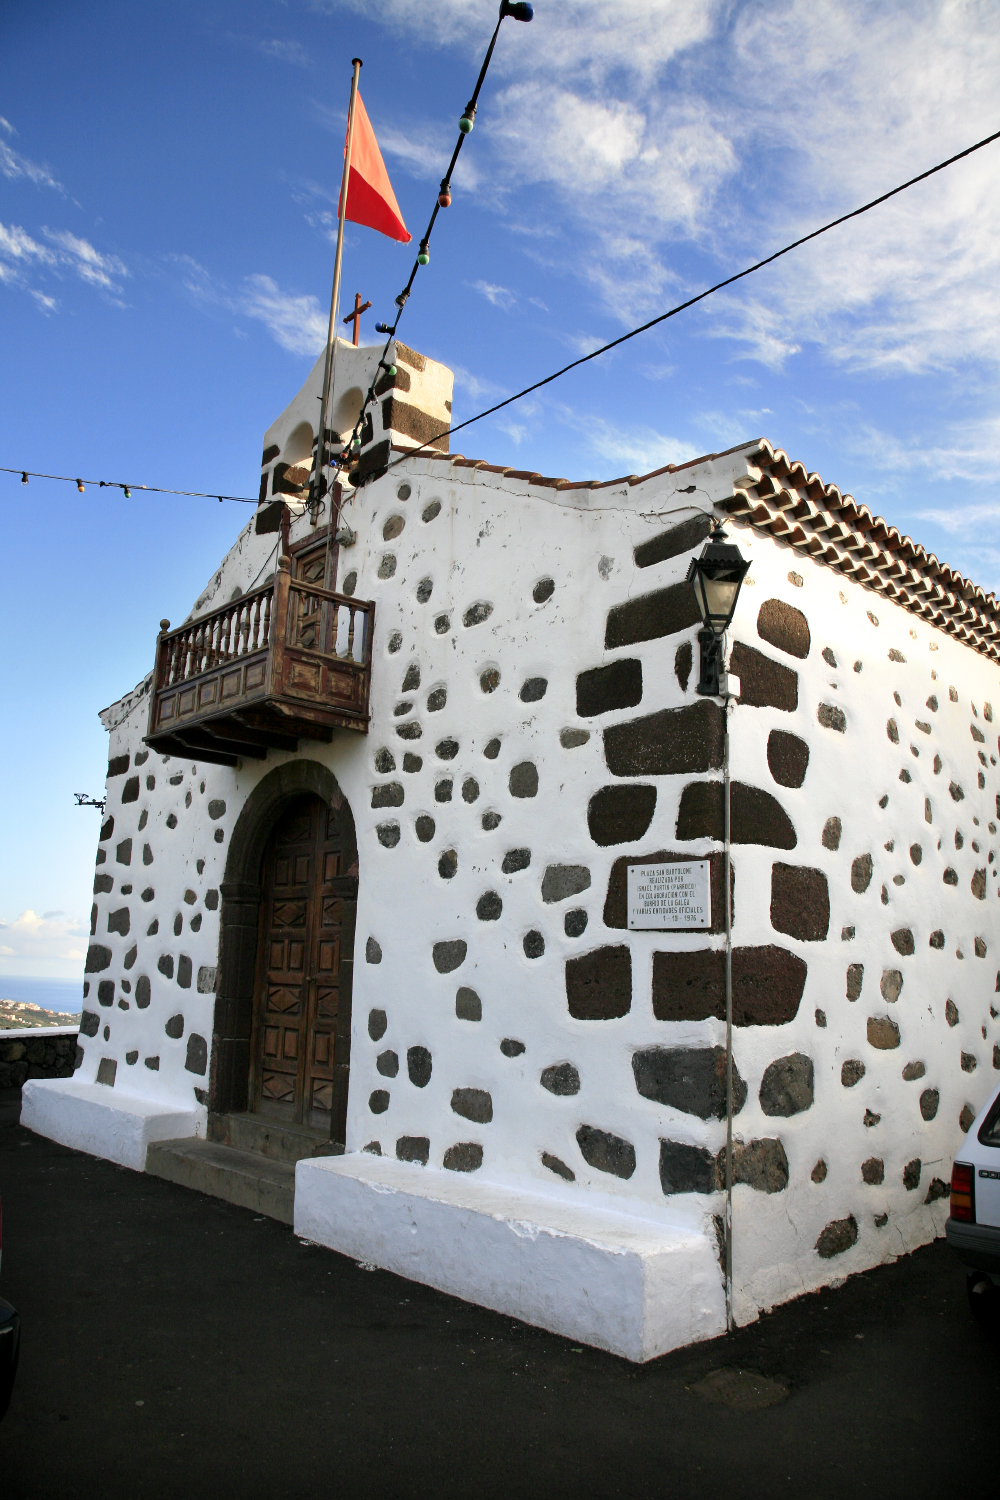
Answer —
36 1054
534 729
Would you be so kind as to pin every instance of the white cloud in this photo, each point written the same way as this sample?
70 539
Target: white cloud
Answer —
285 51
89 264
54 937
21 256
499 296
298 324
14 165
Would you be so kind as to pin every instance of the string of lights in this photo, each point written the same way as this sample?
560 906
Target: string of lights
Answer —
116 484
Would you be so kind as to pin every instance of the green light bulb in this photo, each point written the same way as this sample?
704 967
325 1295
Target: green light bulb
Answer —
465 124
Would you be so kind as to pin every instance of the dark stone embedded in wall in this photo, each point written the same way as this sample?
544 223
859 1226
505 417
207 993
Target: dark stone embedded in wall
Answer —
652 615
175 1027
412 763
103 884
153 1063
544 589
620 814
883 1033
604 689
855 979
184 971
533 944
572 739
950 876
387 567
767 985
467 1156
533 689
818 1173
672 742
106 992
929 1101
98 958
107 829
599 984
787 758
436 700
419 1066
106 1070
832 831
377 1023
672 542
216 808
378 1101
912 1071
476 614
902 941
89 1022
448 864
130 791
891 985
606 1152
561 1078
492 750
616 901
938 1189
516 859
373 951
142 991
562 881
118 765
468 1006
837 1237
683 661
852 1072
691 1079
388 794
978 885
832 717
165 964
412 679
558 1167
489 907
470 790
123 852
523 780
449 956
511 1047
473 1104
969 1062
388 835
196 1060
764 683
755 816
147 855
490 820
415 1148
873 1171
861 873
787 1086
782 626
761 1165
430 512
687 1169
966 1118
800 902
575 923
443 790
489 680
387 1063
446 749
211 900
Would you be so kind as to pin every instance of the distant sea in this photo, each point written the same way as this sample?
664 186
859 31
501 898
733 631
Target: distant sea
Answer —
50 994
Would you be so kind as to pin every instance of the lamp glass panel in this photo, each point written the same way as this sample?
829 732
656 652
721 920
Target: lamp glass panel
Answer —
721 596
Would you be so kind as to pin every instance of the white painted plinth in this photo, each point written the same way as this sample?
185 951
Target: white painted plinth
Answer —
635 1286
103 1121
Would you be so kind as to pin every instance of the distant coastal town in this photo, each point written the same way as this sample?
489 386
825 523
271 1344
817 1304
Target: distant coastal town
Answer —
18 1014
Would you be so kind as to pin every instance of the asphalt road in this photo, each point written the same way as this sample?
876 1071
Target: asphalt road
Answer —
174 1345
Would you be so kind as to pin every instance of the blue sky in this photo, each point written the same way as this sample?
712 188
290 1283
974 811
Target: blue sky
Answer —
168 177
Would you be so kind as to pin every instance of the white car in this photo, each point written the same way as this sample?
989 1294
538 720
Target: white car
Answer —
973 1228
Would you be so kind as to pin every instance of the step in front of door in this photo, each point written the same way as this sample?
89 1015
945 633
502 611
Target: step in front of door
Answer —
242 1177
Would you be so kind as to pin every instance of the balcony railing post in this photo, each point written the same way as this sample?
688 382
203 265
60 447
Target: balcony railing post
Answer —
282 579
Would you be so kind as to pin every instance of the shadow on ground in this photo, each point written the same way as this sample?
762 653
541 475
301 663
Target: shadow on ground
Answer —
174 1345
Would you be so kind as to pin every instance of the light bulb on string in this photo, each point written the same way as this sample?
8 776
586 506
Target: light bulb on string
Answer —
128 492
79 485
24 476
423 255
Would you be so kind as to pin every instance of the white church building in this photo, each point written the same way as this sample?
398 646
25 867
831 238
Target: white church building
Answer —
363 950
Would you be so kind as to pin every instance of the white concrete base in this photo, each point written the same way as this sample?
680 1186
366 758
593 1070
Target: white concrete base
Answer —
635 1286
103 1121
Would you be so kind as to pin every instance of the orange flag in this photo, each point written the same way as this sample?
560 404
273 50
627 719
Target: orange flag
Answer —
370 199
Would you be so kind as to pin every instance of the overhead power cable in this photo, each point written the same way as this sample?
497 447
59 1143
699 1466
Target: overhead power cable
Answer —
117 484
691 301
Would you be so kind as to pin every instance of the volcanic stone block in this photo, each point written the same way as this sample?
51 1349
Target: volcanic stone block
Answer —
672 542
523 780
98 958
89 1022
966 1118
761 1165
764 683
675 741
691 1079
838 1236
106 992
389 794
415 1148
599 984
620 814
378 1101
687 1169
832 717
449 955
902 941
511 1047
978 886
616 901
969 1062
443 790
575 923
800 902
543 590
533 689
476 614
142 991
448 864
861 873
436 700
184 972
466 1156
929 1101
755 816
473 1104
558 1167
373 951
787 1086
604 689
196 1060
419 1065
533 944
852 1072
489 907
117 765
118 921
388 834
165 964
683 661
387 1063
106 1070
767 985
516 859
561 1078
873 1171
891 985
785 627
883 1033
787 757
832 830
103 884
562 881
651 616
855 979
912 1071
377 1023
606 1152
468 1006
216 808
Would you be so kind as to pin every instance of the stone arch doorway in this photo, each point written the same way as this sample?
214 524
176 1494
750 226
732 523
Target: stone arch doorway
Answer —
281 1010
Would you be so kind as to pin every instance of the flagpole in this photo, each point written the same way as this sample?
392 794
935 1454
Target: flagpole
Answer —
321 453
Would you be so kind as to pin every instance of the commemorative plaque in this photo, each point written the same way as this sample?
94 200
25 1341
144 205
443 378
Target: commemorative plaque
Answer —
665 897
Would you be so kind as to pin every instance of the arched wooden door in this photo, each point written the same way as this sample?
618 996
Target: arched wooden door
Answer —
300 957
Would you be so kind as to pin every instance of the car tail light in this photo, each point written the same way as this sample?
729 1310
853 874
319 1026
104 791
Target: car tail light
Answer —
963 1203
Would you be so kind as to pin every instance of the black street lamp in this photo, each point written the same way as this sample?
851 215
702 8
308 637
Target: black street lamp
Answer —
717 576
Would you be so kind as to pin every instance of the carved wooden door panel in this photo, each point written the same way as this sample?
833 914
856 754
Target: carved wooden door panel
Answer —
298 967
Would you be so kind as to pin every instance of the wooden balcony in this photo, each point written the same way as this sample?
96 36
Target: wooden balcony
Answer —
285 662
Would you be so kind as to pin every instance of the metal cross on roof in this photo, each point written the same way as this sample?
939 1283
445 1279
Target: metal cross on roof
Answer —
355 316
